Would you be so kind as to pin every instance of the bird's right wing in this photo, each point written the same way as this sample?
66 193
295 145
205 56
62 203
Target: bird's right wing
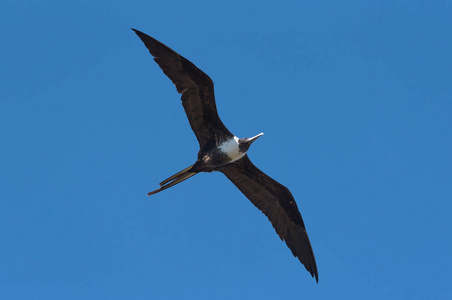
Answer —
278 204
197 92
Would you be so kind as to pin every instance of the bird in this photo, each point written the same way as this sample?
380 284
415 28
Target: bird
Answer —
222 151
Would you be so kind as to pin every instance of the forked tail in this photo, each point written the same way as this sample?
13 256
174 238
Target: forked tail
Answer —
175 179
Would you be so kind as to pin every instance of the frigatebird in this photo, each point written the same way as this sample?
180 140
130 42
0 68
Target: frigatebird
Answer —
222 151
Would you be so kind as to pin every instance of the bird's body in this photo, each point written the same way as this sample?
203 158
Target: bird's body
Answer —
222 151
232 149
223 154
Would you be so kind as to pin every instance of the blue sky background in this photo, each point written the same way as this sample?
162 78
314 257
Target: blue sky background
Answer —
354 98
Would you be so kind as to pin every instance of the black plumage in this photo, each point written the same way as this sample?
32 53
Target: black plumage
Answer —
215 140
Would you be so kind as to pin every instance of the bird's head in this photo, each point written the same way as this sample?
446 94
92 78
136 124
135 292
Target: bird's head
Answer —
245 143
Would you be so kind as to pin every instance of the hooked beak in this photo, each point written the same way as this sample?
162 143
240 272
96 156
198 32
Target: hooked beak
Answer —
252 139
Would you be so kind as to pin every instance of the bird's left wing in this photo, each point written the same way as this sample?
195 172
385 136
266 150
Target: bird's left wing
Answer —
278 204
196 87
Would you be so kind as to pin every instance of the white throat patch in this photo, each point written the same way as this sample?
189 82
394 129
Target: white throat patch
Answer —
231 149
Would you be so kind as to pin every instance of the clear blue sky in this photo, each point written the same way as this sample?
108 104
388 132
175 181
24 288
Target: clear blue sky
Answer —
354 98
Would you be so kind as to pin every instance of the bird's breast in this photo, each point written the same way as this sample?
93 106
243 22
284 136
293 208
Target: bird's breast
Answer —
231 149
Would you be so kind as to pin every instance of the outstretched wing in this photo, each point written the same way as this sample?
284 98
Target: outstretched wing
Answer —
197 92
278 204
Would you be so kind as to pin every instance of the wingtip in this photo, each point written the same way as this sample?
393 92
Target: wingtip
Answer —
314 272
136 31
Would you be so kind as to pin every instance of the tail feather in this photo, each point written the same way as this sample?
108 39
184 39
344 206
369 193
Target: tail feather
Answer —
178 174
175 179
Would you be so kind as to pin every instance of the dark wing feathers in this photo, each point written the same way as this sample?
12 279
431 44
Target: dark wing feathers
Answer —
278 204
272 198
196 88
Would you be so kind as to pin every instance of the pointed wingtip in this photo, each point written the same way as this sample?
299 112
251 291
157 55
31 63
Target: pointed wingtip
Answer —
139 33
313 270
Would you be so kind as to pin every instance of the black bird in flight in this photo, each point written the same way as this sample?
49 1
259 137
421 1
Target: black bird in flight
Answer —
222 151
